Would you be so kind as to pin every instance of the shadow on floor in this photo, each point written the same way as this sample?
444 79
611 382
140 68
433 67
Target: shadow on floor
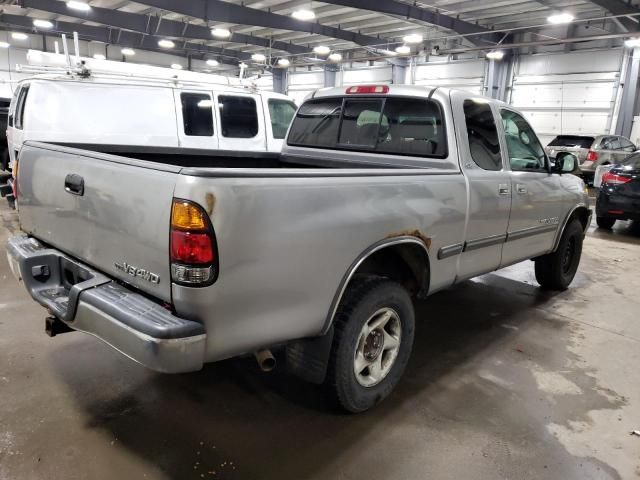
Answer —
235 421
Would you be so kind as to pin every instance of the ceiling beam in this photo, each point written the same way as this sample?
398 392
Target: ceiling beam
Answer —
126 39
410 12
154 25
224 12
618 7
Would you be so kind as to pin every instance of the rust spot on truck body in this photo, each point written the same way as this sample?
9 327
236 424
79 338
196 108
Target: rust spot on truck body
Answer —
412 233
210 200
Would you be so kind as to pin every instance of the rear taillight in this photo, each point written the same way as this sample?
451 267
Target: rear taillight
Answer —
592 156
194 259
615 179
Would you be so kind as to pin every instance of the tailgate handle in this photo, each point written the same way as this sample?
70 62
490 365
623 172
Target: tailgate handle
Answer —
74 184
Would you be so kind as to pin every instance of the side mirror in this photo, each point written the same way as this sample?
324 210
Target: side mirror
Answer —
568 163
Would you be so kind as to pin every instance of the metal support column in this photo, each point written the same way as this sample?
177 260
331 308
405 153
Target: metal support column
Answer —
330 75
498 78
279 80
629 96
398 71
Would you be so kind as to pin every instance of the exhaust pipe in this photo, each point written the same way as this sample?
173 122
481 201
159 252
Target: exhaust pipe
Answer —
266 361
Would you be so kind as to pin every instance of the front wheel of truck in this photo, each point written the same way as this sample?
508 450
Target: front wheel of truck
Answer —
374 330
555 271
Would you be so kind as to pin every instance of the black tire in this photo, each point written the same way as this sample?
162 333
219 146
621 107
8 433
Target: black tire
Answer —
555 271
365 297
605 223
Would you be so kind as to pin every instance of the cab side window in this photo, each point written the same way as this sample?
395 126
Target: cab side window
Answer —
524 148
482 135
627 146
197 114
20 104
281 113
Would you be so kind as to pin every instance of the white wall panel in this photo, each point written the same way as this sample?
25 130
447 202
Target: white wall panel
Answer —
302 84
369 75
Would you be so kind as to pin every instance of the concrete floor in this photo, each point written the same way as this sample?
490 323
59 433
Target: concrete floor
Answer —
506 381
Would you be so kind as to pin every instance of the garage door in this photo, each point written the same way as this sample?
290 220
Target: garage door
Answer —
568 93
465 75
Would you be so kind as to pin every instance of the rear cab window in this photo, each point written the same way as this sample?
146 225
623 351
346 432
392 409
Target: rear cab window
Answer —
281 113
392 125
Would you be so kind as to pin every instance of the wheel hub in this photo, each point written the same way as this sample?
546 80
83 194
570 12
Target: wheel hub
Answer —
373 345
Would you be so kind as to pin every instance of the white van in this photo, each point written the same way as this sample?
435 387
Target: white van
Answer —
121 114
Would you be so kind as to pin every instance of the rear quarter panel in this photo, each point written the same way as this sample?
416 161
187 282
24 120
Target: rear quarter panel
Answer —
286 242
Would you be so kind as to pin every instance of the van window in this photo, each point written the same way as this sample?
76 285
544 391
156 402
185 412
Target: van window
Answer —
401 126
19 114
281 113
238 116
197 114
482 135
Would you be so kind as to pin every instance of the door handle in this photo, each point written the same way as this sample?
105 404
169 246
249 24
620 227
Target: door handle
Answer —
520 188
503 189
74 184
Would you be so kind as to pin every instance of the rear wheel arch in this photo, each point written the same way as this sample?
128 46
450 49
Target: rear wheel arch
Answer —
402 259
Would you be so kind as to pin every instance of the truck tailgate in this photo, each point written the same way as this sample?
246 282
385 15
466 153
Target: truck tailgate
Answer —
111 212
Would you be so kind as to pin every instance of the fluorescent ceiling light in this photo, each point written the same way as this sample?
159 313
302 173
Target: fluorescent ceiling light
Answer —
258 57
560 18
303 14
283 62
322 50
176 66
220 32
335 57
128 51
42 23
78 5
413 38
390 53
19 36
164 43
205 104
403 50
495 55
5 44
632 42
212 63
99 56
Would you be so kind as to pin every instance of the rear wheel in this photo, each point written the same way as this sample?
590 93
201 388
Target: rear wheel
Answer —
374 330
556 270
605 222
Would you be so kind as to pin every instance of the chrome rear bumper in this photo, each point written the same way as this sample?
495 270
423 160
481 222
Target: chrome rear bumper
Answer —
91 302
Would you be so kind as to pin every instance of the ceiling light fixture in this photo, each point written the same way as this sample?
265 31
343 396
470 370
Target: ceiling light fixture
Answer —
164 43
176 66
335 57
258 57
128 51
99 56
559 18
303 14
495 55
212 63
403 50
283 62
413 38
78 5
42 23
322 50
632 42
19 36
221 32
5 44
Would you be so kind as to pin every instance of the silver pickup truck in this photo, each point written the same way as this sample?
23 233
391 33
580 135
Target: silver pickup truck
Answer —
382 194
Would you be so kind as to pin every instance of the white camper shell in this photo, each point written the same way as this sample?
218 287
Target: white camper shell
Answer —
119 111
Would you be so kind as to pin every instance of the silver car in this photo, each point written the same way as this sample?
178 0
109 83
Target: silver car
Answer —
591 151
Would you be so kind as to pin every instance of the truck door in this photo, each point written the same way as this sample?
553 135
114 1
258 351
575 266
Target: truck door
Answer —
241 122
195 119
537 198
489 189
